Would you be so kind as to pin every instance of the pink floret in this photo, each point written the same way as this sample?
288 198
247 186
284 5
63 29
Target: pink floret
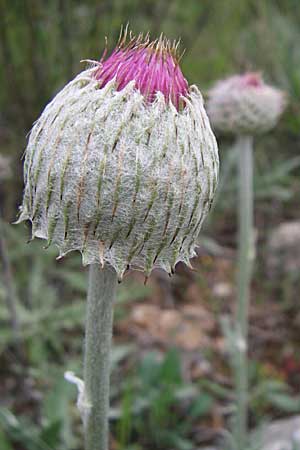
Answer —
153 71
251 79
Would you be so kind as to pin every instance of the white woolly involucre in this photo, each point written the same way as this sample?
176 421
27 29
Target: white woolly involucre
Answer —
122 181
244 110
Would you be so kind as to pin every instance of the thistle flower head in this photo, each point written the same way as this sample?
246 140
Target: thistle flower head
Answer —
244 104
122 164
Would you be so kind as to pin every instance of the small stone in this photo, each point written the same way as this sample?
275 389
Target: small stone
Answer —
281 434
222 290
283 250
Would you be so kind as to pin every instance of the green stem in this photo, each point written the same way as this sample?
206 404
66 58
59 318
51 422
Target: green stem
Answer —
245 262
101 295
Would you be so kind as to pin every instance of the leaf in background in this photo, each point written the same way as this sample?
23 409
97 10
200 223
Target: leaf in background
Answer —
170 371
76 280
284 402
201 405
51 433
119 352
56 410
5 444
216 389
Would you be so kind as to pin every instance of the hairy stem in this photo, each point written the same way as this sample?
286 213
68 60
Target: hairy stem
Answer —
101 295
245 262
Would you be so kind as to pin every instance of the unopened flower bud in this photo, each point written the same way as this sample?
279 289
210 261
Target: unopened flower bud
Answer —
122 165
244 104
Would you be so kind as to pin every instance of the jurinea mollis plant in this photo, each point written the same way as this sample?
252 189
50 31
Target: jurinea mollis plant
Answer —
244 104
122 164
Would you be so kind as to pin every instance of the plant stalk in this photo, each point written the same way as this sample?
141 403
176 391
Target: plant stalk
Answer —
99 321
245 263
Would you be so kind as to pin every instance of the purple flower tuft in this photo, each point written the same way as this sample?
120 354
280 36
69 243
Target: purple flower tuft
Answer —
154 66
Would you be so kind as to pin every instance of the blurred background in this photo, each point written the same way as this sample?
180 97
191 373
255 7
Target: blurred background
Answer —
172 384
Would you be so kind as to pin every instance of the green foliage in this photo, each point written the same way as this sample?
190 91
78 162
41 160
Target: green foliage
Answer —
41 45
273 393
50 341
276 183
158 407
